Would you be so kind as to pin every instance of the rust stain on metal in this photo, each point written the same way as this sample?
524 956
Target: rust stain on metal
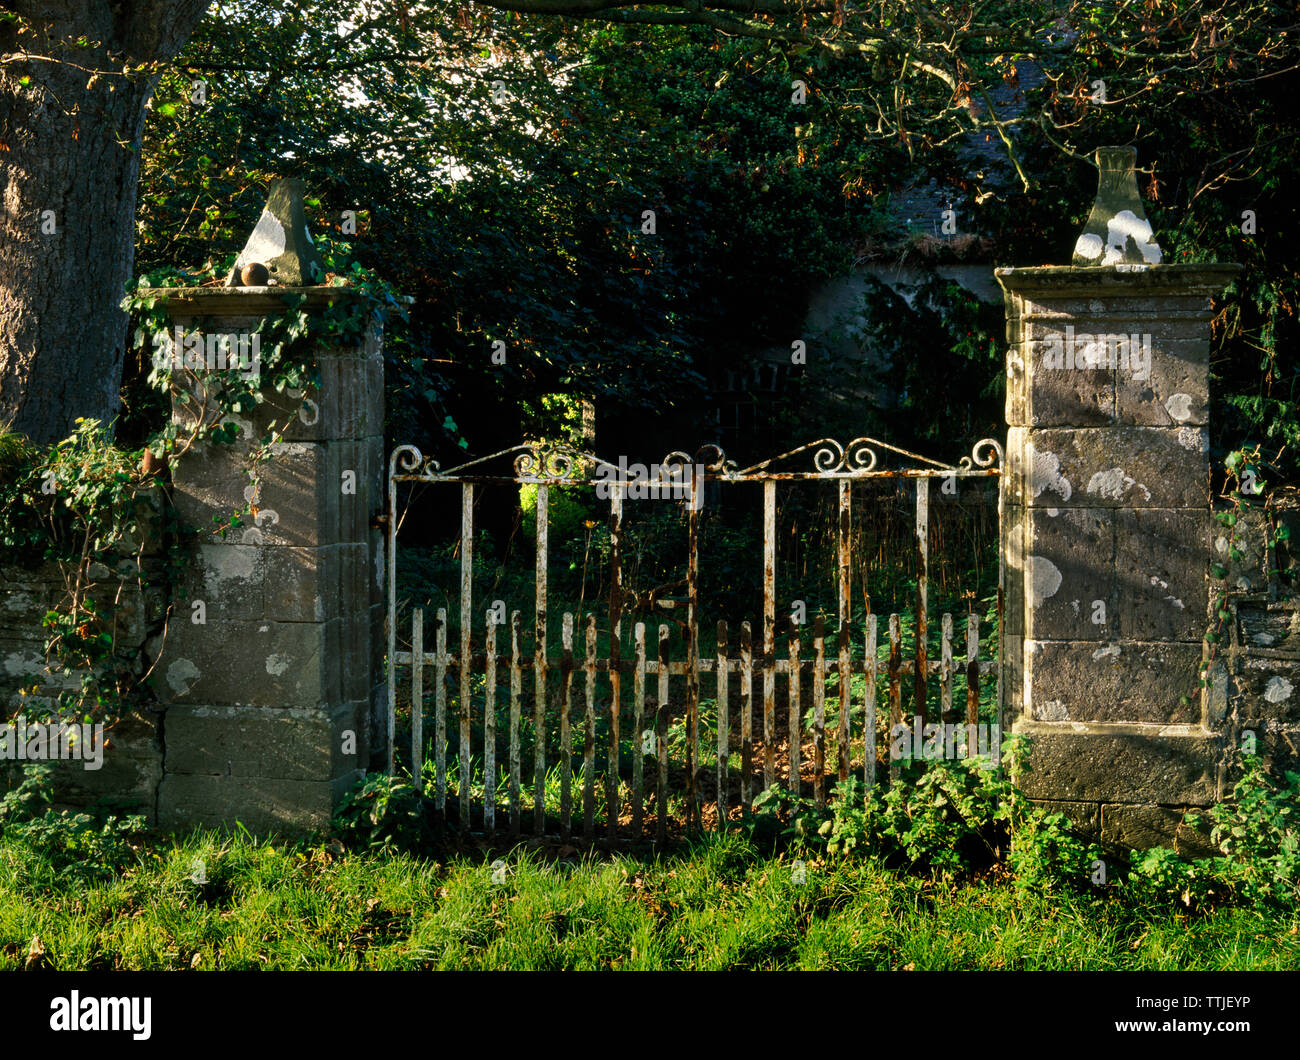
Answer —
539 669
516 689
819 710
724 725
746 717
589 737
615 657
638 727
490 731
566 733
466 642
661 740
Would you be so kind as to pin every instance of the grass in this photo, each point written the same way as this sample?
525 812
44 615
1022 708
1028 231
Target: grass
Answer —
719 904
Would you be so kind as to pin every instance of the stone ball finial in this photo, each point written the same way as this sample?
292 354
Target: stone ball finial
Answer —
281 242
1117 232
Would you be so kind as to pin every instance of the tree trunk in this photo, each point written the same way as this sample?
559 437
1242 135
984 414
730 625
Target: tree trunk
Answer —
69 168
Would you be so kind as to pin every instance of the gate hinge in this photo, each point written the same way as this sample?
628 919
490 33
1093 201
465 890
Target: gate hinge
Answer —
379 520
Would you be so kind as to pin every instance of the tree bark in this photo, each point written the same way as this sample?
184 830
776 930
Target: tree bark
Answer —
69 169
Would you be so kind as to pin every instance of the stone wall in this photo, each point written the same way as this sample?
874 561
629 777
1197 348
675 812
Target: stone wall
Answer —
265 699
129 588
1255 671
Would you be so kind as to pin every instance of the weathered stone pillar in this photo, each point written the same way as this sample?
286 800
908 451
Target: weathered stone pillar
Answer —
1107 529
271 667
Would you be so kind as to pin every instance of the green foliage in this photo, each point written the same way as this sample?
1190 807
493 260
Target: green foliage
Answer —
1257 832
74 846
944 817
385 813
83 505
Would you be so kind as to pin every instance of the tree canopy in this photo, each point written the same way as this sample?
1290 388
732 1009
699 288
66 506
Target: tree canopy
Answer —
498 161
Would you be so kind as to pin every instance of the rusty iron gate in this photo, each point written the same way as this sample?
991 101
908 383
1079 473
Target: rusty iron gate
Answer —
501 661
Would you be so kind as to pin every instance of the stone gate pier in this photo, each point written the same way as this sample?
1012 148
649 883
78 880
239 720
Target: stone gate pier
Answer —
1107 526
266 674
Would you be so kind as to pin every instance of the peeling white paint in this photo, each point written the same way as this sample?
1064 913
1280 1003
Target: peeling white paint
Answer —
1044 579
17 662
1176 602
1110 651
1124 226
1053 512
1112 484
1179 407
1045 473
222 563
1089 246
1278 689
1157 581
181 674
267 241
1263 639
1053 710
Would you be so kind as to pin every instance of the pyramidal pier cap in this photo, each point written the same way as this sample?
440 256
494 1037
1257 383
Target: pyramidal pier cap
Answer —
280 241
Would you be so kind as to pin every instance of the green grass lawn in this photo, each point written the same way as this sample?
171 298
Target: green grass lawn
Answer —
720 904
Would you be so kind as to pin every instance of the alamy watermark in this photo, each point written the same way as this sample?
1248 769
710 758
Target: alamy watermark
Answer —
200 351
676 482
1086 352
52 742
935 741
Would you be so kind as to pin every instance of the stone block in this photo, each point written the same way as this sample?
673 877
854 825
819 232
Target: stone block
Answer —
299 497
1088 763
1143 827
1110 467
264 805
1116 682
1167 324
258 663
228 578
243 741
1059 396
1268 630
1249 573
210 485
1085 816
126 780
1070 580
1161 571
1176 389
1268 689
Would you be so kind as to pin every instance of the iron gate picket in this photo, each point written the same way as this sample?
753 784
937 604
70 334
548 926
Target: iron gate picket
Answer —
684 477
